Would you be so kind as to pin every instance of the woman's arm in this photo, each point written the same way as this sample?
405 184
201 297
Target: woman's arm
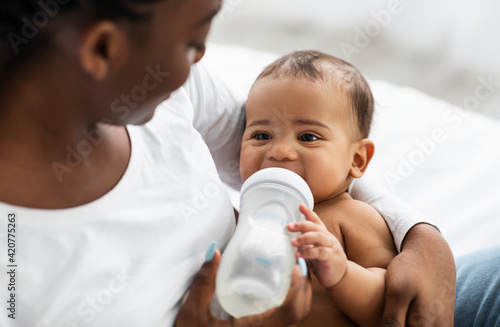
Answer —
420 281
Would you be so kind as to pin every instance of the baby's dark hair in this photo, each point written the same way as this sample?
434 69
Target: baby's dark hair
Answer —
314 65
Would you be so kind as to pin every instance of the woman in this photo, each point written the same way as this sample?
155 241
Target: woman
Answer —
109 223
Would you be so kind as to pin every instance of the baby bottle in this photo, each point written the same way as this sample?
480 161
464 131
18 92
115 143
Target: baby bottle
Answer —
255 271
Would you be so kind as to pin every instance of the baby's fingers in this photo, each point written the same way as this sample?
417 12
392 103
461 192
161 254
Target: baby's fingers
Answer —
315 253
314 239
310 215
304 227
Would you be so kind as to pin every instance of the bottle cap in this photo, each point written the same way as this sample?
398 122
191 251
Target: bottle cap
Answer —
284 177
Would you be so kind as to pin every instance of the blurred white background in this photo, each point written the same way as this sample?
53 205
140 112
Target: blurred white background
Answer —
445 48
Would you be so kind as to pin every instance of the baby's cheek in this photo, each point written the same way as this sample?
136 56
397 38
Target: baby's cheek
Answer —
249 161
315 192
319 189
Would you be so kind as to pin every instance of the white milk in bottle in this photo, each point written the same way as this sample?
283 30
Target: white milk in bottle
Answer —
255 271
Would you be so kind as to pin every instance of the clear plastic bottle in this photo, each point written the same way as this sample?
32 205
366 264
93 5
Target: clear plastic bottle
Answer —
255 270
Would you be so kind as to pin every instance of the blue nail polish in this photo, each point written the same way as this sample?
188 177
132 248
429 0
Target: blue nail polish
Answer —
302 266
211 251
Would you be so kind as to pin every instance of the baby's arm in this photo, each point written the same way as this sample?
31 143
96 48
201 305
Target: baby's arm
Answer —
356 288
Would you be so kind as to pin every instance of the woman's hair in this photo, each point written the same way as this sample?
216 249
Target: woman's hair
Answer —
22 22
317 66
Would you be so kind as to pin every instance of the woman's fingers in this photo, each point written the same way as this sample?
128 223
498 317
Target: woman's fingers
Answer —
195 311
298 301
293 310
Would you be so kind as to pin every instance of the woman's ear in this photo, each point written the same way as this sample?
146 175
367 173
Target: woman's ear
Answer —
104 47
364 150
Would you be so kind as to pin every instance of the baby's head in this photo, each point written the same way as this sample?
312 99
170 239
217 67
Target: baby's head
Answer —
311 113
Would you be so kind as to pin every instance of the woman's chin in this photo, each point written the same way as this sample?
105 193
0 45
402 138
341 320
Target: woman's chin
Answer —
143 119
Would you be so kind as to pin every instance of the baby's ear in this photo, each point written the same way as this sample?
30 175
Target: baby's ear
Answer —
364 153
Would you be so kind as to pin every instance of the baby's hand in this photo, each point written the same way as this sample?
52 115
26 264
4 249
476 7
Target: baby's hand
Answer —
320 247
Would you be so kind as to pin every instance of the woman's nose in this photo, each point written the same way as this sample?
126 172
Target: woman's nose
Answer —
282 151
199 54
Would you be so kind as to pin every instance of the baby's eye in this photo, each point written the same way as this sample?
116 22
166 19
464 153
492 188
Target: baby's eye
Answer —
308 138
261 136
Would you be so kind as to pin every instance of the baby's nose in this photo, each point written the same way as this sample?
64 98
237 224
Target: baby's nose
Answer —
282 151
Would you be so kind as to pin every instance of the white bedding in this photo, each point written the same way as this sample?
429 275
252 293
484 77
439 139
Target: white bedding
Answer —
441 159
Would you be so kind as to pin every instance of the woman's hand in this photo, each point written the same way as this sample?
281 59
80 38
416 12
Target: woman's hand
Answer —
319 246
421 281
196 312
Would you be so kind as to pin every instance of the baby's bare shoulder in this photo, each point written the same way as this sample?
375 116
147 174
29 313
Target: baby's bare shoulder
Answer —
367 239
345 209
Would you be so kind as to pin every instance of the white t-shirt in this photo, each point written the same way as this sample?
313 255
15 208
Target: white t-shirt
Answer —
128 258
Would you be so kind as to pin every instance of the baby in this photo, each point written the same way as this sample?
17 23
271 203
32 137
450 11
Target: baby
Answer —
311 113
